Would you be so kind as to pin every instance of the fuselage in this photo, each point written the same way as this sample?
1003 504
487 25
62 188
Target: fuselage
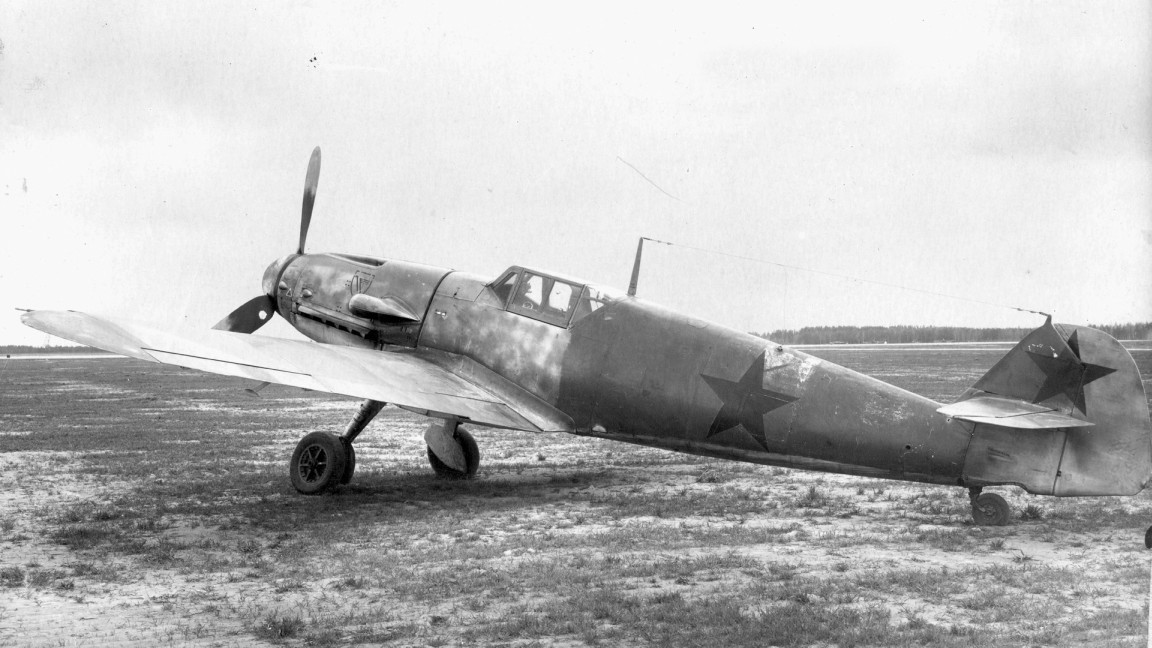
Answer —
625 369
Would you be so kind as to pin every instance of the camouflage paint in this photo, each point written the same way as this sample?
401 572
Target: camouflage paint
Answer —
633 371
636 372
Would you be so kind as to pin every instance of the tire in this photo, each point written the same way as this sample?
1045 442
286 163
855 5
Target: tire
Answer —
349 461
318 463
990 510
471 458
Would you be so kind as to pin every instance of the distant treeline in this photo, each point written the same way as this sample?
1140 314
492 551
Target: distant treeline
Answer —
921 334
13 349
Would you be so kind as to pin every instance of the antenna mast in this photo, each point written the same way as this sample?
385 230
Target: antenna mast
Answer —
636 265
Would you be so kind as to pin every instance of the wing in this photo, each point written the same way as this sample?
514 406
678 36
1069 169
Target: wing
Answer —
426 381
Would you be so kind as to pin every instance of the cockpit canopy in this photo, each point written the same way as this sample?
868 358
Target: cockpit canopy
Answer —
548 297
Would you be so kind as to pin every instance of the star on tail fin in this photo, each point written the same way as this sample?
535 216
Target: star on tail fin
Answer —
1063 413
1045 369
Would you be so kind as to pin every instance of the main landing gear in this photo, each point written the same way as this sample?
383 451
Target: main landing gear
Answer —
318 463
988 509
323 461
452 451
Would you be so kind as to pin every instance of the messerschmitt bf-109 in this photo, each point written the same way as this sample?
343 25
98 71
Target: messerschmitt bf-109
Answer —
1063 413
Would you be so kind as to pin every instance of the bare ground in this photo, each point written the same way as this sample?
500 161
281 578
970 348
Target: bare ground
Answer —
144 504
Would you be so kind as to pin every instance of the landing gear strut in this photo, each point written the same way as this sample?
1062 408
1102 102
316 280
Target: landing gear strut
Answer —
368 411
452 451
988 509
323 461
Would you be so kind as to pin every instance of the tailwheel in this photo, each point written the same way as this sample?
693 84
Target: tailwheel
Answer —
462 451
990 509
318 464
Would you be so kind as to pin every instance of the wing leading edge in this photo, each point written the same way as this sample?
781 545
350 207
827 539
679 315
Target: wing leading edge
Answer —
422 380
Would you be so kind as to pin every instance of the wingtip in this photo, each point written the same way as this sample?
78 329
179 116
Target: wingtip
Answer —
29 317
33 317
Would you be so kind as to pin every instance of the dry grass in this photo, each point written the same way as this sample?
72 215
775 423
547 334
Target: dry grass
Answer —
146 504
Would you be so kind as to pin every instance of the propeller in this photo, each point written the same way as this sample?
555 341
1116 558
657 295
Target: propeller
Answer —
258 311
310 182
252 315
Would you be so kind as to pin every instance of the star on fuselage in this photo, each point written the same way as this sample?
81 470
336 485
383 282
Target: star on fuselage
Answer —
745 402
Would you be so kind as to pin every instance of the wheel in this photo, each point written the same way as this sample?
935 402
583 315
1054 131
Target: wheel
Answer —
990 509
318 463
349 461
471 458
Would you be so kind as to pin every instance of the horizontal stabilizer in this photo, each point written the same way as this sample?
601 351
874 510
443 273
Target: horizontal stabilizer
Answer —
1009 412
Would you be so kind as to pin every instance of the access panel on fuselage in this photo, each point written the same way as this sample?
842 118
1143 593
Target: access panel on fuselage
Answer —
318 288
411 284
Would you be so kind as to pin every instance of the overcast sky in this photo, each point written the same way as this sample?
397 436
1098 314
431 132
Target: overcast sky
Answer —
153 154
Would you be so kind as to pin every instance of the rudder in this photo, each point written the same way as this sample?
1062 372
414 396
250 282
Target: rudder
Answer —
1063 413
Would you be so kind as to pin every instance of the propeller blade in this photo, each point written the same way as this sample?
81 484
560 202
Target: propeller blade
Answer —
252 315
310 182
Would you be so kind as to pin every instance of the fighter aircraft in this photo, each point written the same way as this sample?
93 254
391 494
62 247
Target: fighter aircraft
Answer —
1063 413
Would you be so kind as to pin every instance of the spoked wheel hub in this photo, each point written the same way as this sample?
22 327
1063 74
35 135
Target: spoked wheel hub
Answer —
318 463
313 463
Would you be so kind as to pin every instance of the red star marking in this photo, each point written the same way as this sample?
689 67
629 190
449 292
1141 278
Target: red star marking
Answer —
745 402
1066 375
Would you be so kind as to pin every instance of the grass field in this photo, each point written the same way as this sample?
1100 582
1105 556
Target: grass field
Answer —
145 504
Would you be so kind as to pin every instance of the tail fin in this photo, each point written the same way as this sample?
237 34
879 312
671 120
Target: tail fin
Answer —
1064 413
